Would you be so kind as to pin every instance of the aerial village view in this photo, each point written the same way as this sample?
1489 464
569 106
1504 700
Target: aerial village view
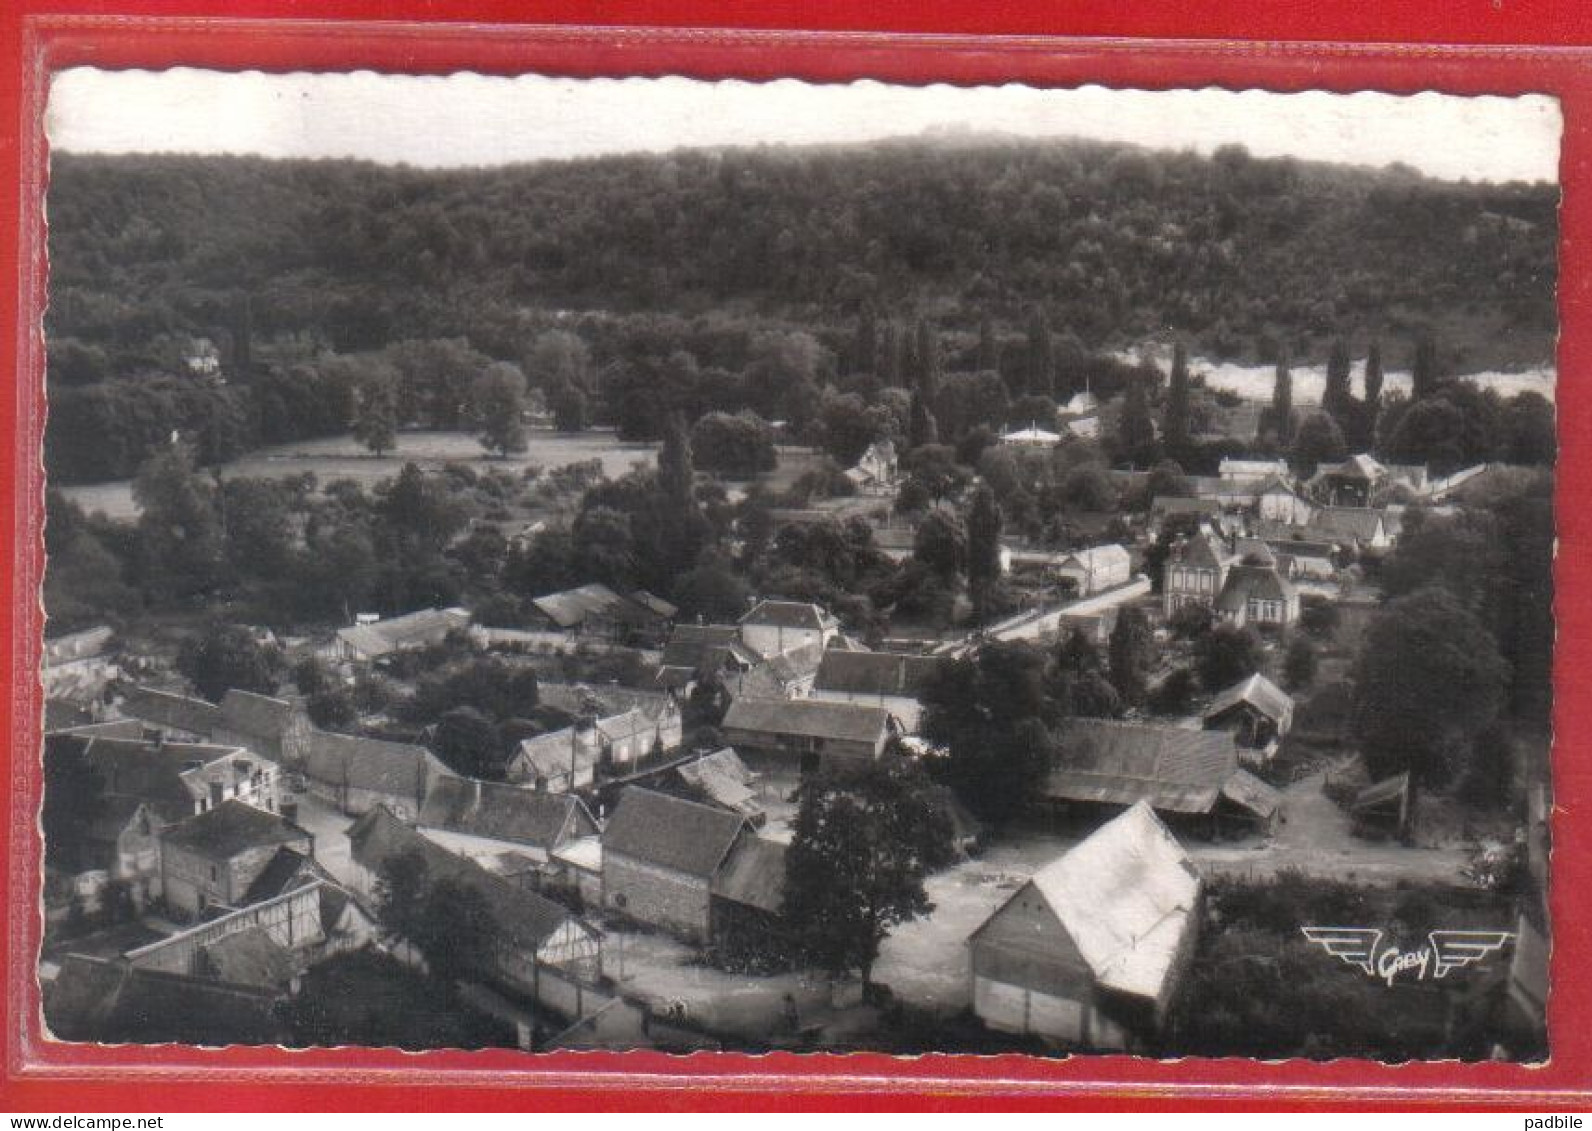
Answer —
949 590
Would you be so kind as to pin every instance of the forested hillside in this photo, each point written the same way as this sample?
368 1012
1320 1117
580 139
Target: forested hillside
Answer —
701 253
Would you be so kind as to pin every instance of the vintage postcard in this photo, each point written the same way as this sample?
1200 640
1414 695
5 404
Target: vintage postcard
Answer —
677 564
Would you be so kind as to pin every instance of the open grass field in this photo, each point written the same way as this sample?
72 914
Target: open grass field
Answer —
342 457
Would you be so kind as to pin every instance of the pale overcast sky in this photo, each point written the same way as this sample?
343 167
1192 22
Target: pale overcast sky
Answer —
467 119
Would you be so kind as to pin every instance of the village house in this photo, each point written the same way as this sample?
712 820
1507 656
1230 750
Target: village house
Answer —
372 640
356 774
1355 529
542 949
1279 501
569 759
504 828
774 627
217 857
877 679
1255 593
1256 712
697 652
1190 777
807 733
1232 494
1095 569
1196 572
661 856
596 612
167 714
272 728
1175 511
1251 471
144 787
875 472
1092 951
1302 560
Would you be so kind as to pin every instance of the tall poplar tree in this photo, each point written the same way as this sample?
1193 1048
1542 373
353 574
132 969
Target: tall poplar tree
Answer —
1175 424
983 550
1041 375
1424 377
1282 401
1335 395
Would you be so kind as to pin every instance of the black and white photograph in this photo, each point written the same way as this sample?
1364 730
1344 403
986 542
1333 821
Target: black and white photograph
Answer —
655 563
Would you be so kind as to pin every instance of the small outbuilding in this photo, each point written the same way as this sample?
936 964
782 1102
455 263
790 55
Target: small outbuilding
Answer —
1256 712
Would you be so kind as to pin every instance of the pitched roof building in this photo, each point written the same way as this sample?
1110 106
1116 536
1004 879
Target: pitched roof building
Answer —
356 773
1256 712
217 857
889 680
534 931
774 626
497 817
1180 772
808 732
595 610
661 855
419 629
1255 592
1091 952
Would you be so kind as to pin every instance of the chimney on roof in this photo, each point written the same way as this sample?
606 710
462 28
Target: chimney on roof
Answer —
475 796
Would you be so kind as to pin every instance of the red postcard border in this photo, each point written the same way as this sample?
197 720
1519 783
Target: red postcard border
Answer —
42 1075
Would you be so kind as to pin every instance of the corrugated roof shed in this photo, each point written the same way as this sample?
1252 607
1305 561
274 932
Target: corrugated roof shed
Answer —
852 722
671 832
571 607
1173 768
1251 794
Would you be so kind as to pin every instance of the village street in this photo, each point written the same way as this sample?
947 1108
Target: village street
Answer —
670 976
330 829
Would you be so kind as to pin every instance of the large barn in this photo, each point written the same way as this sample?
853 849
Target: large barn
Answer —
1189 777
1091 952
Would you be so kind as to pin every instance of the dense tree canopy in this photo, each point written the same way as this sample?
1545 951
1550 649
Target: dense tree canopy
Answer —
862 845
